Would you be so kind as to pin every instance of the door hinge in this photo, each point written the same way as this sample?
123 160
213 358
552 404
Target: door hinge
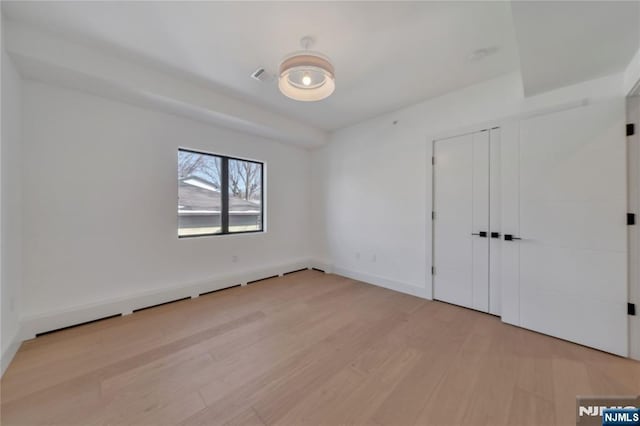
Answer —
631 129
433 160
433 270
433 215
631 309
631 218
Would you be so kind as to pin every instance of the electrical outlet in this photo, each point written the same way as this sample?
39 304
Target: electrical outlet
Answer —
234 259
358 255
374 258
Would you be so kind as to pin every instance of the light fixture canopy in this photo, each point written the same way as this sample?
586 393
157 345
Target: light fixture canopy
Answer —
306 76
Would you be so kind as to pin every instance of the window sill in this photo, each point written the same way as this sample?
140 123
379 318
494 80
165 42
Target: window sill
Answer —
228 234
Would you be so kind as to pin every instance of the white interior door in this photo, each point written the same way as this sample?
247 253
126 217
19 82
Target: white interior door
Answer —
573 274
480 217
461 184
495 210
633 179
510 222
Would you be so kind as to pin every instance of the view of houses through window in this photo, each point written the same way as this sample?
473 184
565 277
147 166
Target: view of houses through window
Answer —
218 194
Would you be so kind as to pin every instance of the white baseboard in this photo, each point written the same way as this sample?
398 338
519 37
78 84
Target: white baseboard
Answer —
9 353
53 320
322 265
383 282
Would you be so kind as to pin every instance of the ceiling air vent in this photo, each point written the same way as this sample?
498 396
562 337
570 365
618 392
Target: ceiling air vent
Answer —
260 74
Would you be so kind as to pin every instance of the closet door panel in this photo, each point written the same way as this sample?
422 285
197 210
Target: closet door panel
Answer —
481 221
572 209
633 178
495 244
453 204
574 223
510 222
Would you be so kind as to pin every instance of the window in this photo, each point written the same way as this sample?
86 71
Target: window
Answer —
218 195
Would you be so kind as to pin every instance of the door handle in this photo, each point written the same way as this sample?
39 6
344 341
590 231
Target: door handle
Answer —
509 237
495 235
482 234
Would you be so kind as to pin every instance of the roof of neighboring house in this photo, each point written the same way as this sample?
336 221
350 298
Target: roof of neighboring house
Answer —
197 195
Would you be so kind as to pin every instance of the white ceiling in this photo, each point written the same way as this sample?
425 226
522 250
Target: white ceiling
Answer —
387 54
565 42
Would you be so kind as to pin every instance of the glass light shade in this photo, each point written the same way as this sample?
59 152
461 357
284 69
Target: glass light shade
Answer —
306 76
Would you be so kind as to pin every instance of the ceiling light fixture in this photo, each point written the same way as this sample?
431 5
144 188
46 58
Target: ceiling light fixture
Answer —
306 75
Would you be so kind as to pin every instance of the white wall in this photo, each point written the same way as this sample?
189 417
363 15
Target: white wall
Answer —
373 180
100 195
632 73
11 230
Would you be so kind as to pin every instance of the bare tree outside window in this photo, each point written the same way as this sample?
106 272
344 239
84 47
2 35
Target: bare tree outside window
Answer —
245 183
205 166
244 179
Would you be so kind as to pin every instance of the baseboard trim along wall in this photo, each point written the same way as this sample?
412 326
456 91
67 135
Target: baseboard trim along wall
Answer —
10 352
321 265
383 282
41 323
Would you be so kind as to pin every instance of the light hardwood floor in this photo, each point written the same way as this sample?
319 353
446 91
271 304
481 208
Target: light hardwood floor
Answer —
307 348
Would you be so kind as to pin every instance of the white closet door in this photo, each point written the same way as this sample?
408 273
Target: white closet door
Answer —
510 222
481 221
633 177
461 207
495 244
573 273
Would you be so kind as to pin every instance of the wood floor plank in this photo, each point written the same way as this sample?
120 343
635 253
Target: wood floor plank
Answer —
246 418
528 409
360 405
305 349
